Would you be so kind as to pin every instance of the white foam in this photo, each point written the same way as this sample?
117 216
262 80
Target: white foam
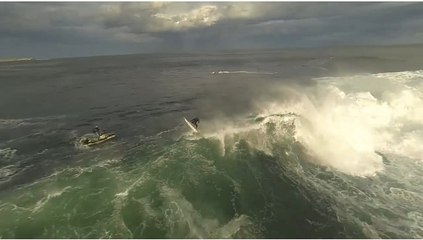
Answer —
50 195
7 153
233 226
409 144
343 121
8 171
180 213
228 133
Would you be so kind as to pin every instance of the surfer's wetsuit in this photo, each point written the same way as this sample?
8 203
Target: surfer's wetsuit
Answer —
195 121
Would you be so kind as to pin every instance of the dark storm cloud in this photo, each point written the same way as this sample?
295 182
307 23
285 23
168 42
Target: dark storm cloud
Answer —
78 28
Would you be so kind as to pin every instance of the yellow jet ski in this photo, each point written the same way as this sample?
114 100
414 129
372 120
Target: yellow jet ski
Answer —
101 139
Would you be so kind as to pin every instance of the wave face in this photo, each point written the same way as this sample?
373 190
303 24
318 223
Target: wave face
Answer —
335 157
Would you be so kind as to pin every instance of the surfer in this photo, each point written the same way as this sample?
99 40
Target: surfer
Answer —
195 121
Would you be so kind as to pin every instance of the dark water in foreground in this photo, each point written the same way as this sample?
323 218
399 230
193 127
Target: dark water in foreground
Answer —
293 144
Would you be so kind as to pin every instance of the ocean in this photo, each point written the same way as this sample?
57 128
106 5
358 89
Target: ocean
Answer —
294 143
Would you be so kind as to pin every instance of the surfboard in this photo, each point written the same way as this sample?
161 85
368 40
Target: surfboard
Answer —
108 137
190 125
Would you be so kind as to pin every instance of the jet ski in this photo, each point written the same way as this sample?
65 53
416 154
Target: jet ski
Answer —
101 139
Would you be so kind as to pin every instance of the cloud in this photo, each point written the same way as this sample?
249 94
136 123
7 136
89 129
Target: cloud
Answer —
201 17
177 16
209 25
155 18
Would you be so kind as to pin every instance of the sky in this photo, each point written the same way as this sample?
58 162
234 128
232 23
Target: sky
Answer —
70 29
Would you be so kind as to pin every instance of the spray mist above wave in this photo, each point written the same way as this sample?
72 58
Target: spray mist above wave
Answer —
344 121
358 125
